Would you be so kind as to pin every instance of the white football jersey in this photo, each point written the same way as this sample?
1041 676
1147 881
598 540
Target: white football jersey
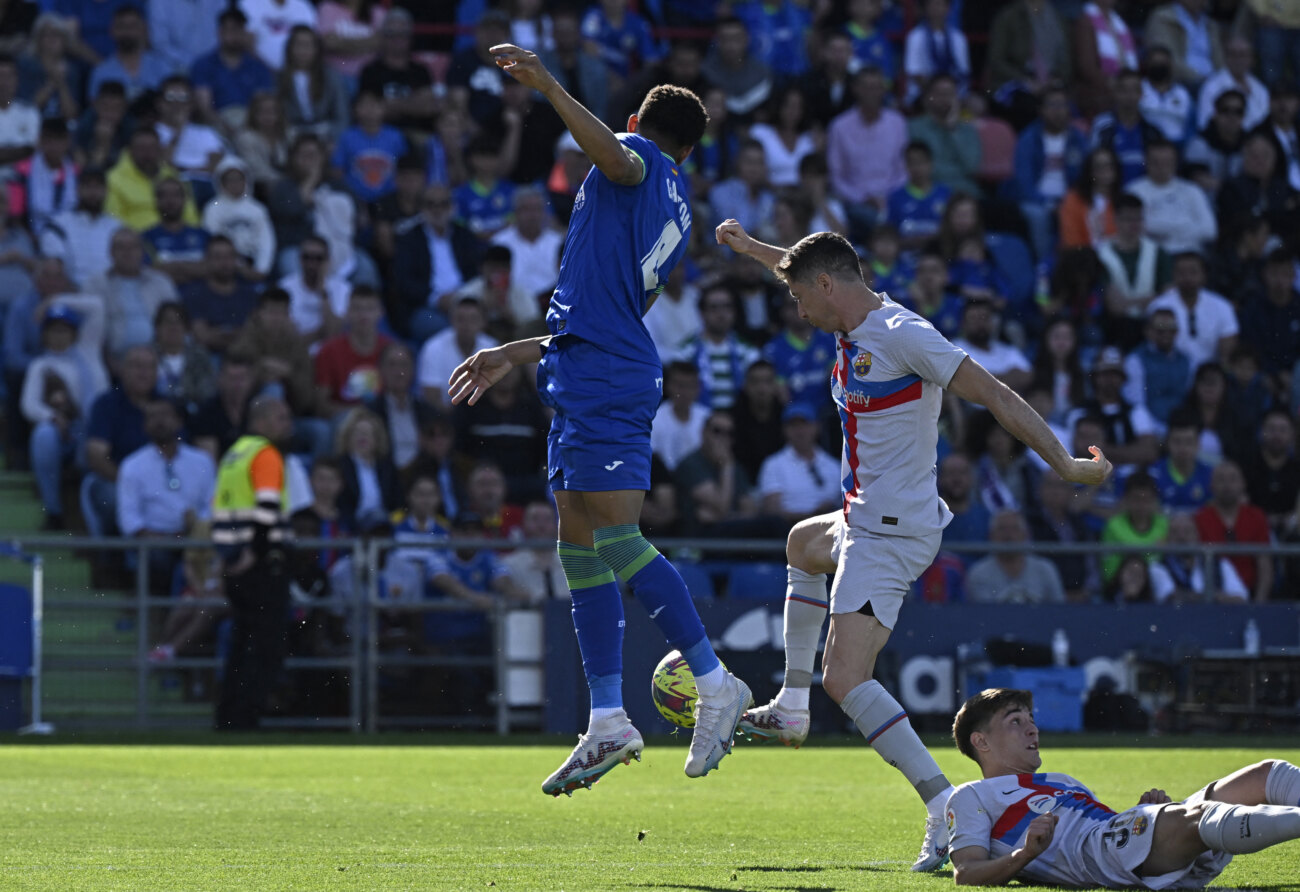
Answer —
994 814
888 384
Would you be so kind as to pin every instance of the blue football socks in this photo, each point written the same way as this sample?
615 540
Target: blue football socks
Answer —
598 620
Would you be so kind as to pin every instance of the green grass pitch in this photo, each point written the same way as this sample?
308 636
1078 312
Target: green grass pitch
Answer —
441 813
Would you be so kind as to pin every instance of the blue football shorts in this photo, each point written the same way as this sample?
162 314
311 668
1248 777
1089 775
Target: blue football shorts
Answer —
604 407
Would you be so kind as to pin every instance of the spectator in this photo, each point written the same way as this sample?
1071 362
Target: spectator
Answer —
678 427
132 181
114 431
871 45
1271 321
1158 373
582 75
132 293
622 39
400 409
510 431
935 46
970 519
1028 50
228 77
1281 128
316 301
892 272
1086 217
674 318
1273 476
537 571
717 496
778 35
263 142
94 23
1130 428
1207 323
313 97
81 238
174 247
1013 577
1249 396
192 148
1261 189
746 81
802 479
1136 270
1186 577
1218 146
186 373
1124 130
282 364
931 296
1239 59
1237 266
189 625
399 210
830 86
366 154
954 143
350 31
1131 584
219 420
347 370
1049 156
405 84
45 182
916 208
1165 102
718 352
1139 521
786 138
802 358
22 344
221 302
60 384
450 347
1057 519
433 261
1178 216
163 488
1191 37
534 245
1003 361
50 77
301 203
271 24
485 498
17 257
133 63
1057 369
104 129
757 411
371 491
747 197
483 202
1004 476
423 522
511 312
1103 47
681 67
1230 517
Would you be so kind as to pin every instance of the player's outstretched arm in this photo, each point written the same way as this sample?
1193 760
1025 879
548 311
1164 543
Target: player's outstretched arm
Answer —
973 382
972 865
475 375
734 236
599 142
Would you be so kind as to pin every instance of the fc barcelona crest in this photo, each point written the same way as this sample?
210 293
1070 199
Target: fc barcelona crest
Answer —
862 366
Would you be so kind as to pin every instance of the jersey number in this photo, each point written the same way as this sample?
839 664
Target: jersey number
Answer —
1119 838
669 239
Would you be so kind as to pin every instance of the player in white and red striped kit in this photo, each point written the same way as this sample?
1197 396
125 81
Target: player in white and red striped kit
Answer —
891 371
1048 827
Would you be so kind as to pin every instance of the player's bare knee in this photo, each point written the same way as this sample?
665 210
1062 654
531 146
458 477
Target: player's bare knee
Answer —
797 545
838 679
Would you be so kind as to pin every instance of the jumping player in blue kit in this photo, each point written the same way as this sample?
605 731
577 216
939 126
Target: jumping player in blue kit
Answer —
601 374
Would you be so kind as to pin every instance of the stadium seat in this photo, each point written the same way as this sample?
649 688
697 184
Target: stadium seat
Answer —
697 579
1013 259
997 150
757 582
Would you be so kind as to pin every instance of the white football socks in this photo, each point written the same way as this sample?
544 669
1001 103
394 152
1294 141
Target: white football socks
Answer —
606 716
883 721
805 613
709 685
1243 829
1283 784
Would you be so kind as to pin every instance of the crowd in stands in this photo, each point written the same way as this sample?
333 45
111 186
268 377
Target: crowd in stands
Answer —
337 203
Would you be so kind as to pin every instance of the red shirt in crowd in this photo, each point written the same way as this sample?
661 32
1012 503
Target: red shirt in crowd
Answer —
349 376
1249 526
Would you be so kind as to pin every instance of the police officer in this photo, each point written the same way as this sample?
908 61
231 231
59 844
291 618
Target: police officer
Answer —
250 529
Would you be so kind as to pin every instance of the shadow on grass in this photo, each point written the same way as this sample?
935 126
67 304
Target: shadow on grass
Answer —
692 887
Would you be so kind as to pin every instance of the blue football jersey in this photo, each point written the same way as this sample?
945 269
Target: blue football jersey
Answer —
622 243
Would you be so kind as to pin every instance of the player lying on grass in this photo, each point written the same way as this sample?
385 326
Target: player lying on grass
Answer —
891 370
1048 828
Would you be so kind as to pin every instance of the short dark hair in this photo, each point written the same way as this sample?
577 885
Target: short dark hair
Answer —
497 254
274 296
1161 143
976 713
1127 201
54 127
1128 74
1280 257
821 252
1187 255
233 14
675 115
681 367
1183 417
919 145
110 88
1141 480
128 9
328 463
171 306
218 239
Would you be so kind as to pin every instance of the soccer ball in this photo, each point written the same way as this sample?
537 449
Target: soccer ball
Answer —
673 690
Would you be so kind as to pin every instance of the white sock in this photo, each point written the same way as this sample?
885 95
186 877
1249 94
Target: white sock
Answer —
604 714
939 803
805 613
1243 829
1283 784
709 684
883 721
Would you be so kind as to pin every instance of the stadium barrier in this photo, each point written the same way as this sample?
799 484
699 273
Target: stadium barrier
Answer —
96 671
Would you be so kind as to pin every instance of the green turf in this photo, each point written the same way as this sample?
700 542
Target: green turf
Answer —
455 817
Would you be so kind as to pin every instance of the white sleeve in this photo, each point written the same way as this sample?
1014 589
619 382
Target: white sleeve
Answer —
1162 584
1204 224
90 334
1143 421
130 511
208 489
31 402
1229 324
265 243
914 61
926 352
969 825
1230 581
1135 388
769 477
426 366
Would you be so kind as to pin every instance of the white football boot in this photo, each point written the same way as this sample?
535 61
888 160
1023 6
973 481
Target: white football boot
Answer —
715 726
934 850
605 745
771 722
